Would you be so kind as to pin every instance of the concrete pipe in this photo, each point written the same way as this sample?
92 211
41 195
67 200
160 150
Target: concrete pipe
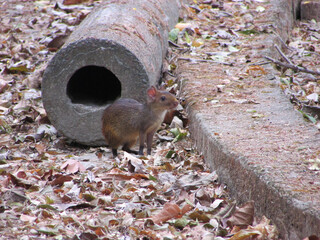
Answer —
117 51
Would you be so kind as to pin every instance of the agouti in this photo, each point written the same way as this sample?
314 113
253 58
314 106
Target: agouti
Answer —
127 119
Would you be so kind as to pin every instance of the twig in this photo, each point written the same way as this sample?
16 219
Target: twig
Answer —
174 44
226 13
195 8
283 42
183 50
294 67
259 63
204 60
282 54
292 48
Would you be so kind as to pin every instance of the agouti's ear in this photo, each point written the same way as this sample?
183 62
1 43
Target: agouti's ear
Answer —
152 92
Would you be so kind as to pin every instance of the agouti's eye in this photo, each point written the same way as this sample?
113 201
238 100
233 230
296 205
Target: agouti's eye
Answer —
163 98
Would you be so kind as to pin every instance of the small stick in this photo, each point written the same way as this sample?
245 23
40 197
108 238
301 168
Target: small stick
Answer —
283 42
282 54
294 67
204 60
259 63
183 50
292 48
174 44
195 8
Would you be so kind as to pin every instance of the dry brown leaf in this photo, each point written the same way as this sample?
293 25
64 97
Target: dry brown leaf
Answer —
243 216
253 70
182 26
186 208
3 85
19 182
60 179
267 231
169 211
122 175
244 234
27 218
73 166
72 2
199 216
57 42
40 147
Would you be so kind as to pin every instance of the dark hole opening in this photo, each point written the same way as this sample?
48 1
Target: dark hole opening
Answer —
93 85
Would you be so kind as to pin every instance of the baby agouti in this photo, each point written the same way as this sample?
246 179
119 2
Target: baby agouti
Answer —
127 119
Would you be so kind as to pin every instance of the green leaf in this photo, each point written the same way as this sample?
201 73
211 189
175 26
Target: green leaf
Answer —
181 223
21 68
308 117
49 200
47 206
88 197
175 131
47 231
2 161
152 178
170 153
251 111
173 34
249 32
5 127
232 49
181 136
186 35
285 81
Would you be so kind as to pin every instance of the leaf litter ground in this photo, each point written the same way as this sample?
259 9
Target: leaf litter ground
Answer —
52 188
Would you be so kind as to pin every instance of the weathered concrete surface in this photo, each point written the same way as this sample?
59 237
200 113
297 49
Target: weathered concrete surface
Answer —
117 51
263 158
310 10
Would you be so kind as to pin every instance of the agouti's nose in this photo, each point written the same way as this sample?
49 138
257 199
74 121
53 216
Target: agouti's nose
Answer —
175 104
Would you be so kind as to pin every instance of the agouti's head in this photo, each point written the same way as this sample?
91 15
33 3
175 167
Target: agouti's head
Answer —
161 100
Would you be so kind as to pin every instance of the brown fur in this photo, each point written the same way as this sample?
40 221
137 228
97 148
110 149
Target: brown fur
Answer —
126 119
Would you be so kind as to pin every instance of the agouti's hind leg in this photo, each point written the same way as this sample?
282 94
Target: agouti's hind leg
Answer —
114 152
126 147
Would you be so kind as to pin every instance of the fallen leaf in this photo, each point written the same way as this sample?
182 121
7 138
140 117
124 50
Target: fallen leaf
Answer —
135 164
169 211
19 182
60 179
267 231
3 85
313 97
72 2
199 216
244 234
40 147
243 216
27 218
173 34
182 26
256 68
57 42
73 166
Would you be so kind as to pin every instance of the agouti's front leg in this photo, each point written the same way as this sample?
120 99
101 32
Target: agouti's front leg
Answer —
114 152
142 137
149 142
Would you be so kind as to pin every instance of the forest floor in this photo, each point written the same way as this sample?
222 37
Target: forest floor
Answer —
52 188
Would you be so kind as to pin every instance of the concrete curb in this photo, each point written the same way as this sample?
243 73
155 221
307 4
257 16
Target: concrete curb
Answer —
241 167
